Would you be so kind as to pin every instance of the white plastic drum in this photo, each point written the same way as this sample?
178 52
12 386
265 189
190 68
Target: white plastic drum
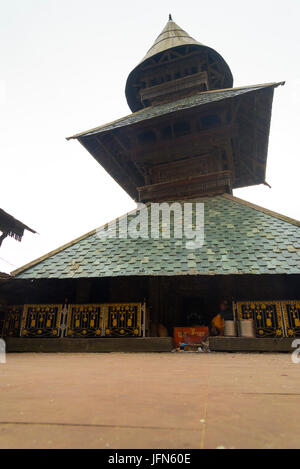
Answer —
229 329
246 328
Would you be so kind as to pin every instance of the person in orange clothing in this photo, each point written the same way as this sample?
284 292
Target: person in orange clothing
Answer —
217 323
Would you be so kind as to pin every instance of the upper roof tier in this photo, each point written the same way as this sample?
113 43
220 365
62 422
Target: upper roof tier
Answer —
175 57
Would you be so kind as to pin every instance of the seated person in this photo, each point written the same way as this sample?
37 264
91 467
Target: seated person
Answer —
217 323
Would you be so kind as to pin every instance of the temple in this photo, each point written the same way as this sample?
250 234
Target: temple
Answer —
191 133
191 139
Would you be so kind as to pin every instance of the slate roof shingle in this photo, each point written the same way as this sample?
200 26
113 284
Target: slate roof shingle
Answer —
238 239
174 106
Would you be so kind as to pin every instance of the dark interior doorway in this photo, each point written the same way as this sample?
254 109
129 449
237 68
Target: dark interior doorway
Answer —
194 312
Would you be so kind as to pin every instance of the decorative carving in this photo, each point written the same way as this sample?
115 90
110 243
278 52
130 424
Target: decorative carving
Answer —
291 314
41 320
123 319
266 315
13 319
85 320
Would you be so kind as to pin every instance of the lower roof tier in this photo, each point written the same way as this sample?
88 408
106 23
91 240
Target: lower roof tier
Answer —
238 238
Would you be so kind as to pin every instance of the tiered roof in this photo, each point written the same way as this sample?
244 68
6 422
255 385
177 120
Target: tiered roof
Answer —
239 238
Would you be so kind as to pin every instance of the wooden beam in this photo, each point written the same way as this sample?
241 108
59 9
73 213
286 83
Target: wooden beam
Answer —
126 152
143 153
212 183
128 175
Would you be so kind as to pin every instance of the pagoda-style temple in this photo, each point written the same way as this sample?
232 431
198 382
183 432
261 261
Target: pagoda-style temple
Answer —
191 139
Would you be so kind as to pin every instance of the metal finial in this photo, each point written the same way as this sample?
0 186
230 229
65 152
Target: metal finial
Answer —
170 17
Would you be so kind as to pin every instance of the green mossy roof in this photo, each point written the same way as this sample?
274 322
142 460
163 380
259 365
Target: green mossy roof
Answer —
239 239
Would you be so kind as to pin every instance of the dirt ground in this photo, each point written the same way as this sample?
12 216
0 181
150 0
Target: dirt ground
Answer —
162 400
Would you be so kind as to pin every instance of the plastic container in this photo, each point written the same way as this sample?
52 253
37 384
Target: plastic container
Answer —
229 328
246 328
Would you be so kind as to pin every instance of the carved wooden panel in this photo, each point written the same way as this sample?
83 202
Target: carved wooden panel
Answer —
291 313
85 320
41 320
266 315
13 319
123 319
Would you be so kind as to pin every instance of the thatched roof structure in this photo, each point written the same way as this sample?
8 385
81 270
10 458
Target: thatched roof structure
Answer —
10 226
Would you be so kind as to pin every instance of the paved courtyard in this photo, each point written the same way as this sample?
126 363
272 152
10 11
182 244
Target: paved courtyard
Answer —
168 400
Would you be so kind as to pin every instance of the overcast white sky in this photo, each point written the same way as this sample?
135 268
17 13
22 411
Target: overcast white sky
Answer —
64 65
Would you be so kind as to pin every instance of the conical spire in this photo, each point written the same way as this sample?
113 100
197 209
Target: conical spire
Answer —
171 36
175 40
